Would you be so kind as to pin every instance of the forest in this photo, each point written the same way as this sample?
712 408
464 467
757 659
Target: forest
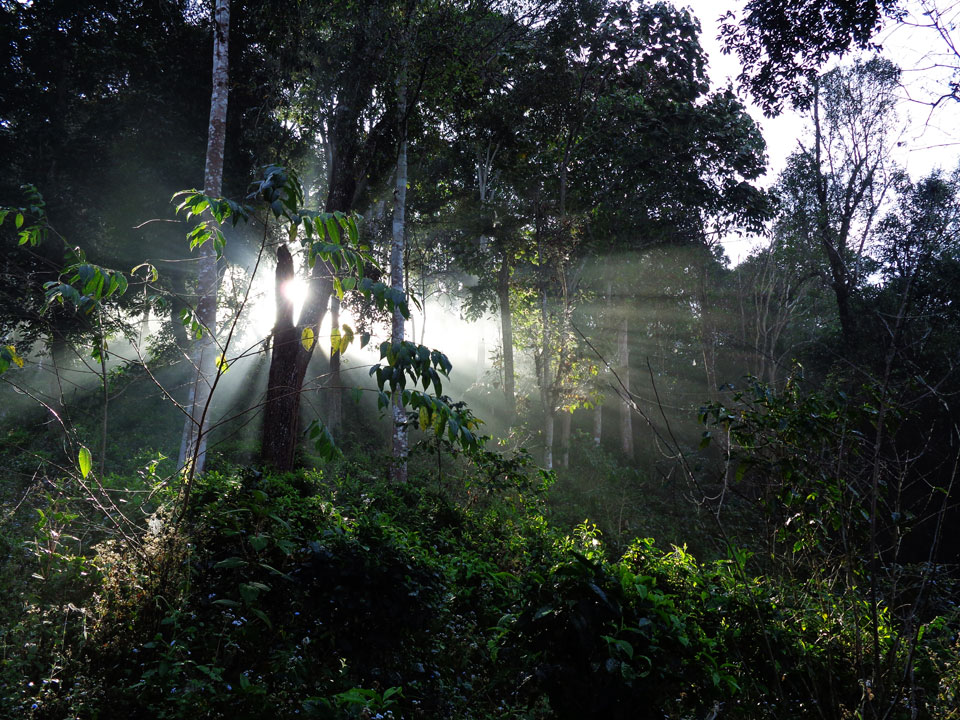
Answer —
387 359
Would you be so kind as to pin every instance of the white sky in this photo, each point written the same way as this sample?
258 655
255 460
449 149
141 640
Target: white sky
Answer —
929 141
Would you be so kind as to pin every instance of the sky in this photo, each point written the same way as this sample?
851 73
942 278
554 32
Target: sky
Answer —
929 141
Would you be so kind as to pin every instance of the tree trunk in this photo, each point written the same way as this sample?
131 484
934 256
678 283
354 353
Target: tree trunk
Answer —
398 469
546 385
193 445
350 147
59 360
597 425
626 412
481 359
506 330
565 421
288 361
707 334
548 439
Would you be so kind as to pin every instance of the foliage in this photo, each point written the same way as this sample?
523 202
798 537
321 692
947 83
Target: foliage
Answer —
839 511
300 595
782 43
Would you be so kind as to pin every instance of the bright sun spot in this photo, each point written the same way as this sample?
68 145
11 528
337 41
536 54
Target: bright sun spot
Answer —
263 313
296 291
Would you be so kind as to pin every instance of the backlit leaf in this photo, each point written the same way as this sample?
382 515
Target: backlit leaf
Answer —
307 339
85 460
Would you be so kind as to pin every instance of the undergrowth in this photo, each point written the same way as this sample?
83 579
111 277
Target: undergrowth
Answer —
342 596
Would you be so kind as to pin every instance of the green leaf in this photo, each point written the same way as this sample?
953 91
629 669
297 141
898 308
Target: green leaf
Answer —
85 459
346 337
307 338
322 440
18 220
263 616
333 230
230 563
227 603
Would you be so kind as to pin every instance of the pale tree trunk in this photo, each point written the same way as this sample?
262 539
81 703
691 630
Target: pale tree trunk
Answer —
626 412
548 440
565 420
193 445
506 332
546 387
708 335
398 469
481 358
605 317
144 322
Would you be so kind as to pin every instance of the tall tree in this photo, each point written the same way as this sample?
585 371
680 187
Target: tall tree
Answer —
398 469
845 176
344 78
783 43
193 445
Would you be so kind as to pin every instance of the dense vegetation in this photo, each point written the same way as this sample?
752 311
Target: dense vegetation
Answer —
643 484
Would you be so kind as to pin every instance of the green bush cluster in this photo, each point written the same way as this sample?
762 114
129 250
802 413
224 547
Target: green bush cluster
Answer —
305 596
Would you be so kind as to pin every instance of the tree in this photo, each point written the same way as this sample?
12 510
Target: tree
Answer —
782 43
342 77
203 357
356 108
836 188
398 470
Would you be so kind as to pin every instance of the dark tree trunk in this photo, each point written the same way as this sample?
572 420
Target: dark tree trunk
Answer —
288 364
289 358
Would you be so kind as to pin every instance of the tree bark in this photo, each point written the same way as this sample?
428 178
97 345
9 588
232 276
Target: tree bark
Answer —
598 425
287 362
398 469
193 445
548 439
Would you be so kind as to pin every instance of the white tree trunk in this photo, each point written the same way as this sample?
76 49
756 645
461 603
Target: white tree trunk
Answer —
398 470
193 445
